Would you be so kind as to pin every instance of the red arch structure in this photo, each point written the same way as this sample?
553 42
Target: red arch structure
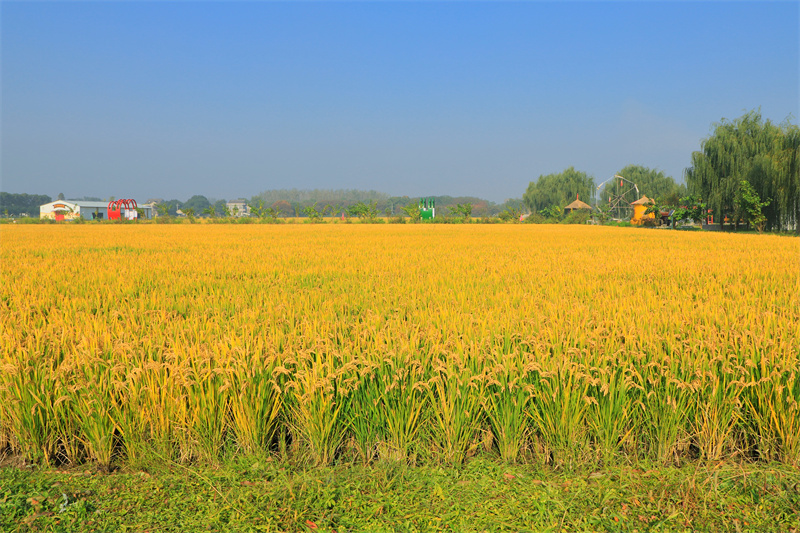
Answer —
115 207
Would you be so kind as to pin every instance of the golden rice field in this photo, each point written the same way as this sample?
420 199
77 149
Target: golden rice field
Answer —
122 344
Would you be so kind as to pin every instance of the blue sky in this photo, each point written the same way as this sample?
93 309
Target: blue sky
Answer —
227 99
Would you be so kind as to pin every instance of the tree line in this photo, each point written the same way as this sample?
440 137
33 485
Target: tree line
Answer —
282 203
552 192
14 205
747 171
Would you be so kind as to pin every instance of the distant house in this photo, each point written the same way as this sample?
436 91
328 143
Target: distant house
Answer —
73 209
61 210
151 205
238 208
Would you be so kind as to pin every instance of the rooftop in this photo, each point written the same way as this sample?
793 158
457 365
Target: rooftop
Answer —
644 200
578 204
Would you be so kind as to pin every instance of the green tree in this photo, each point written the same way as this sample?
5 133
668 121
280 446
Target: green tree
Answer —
172 207
17 204
364 211
465 211
748 206
558 189
258 208
461 212
272 214
748 148
690 207
162 209
510 214
577 216
311 212
553 212
197 203
283 208
655 209
221 208
603 213
412 211
651 183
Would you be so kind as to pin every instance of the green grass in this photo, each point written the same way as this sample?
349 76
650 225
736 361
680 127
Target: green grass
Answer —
481 495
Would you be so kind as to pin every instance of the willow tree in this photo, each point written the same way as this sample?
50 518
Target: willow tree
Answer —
559 189
764 154
651 182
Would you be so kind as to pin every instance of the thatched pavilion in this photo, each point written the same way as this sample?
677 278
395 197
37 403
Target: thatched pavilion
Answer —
576 205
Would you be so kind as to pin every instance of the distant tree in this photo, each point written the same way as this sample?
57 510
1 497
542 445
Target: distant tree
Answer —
258 208
760 152
412 211
651 183
481 209
283 208
510 214
173 206
577 216
690 207
553 212
322 197
312 213
61 196
197 203
461 211
558 189
17 204
464 212
336 209
655 209
221 208
748 206
514 204
603 213
364 211
272 214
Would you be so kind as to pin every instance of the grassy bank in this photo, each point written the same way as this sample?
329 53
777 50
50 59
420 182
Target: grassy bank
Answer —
481 495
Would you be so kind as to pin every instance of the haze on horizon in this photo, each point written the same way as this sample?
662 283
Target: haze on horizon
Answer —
173 99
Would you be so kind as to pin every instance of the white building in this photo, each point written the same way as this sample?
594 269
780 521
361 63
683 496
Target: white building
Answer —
72 209
238 208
